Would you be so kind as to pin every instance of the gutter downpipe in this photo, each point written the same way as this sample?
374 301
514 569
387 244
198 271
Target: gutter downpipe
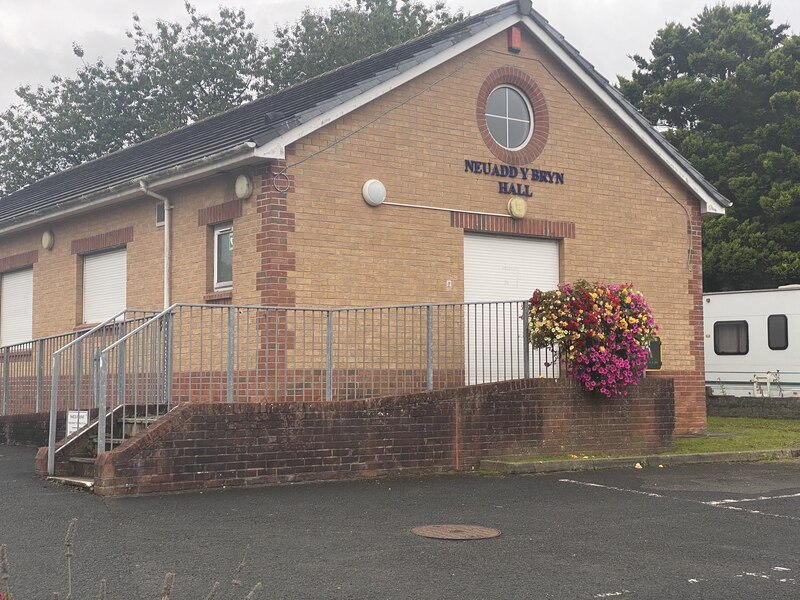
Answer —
167 239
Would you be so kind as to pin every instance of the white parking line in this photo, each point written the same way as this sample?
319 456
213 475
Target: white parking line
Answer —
759 499
719 504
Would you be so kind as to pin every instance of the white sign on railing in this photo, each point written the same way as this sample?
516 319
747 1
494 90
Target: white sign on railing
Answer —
76 419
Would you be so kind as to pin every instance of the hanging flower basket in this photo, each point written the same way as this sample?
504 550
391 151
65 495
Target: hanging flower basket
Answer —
603 331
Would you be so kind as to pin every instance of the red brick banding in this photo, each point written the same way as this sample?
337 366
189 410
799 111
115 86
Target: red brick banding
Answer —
103 241
541 117
19 261
524 227
219 213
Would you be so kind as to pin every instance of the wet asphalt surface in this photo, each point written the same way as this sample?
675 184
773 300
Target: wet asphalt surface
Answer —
628 534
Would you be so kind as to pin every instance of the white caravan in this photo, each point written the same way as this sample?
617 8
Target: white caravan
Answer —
752 342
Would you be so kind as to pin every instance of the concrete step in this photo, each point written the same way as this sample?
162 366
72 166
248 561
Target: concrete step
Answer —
84 483
134 425
142 420
81 466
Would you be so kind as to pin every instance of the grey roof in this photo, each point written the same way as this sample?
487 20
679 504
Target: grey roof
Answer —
268 118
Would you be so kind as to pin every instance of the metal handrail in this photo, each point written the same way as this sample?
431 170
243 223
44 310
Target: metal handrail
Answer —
102 325
155 317
56 373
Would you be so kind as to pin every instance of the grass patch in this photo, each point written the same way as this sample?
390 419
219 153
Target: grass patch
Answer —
726 434
745 434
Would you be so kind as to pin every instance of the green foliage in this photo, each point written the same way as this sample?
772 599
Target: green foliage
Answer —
726 90
178 74
321 41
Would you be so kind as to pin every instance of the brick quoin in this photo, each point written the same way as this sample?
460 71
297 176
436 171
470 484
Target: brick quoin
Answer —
276 223
214 445
690 386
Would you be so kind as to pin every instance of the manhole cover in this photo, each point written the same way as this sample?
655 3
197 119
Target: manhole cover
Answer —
456 532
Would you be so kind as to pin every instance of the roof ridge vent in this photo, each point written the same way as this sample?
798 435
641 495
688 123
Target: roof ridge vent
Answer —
525 6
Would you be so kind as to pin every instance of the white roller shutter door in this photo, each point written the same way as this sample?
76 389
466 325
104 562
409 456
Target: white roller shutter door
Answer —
504 269
16 307
104 285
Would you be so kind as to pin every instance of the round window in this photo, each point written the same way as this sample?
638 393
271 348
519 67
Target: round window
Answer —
509 117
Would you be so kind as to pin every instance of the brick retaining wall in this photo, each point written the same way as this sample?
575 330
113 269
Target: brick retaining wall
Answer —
31 429
768 408
213 445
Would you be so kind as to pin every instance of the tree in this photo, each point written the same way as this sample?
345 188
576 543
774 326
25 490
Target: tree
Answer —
321 41
173 76
181 73
726 91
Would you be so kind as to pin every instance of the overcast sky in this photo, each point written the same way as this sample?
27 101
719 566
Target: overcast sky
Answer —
36 35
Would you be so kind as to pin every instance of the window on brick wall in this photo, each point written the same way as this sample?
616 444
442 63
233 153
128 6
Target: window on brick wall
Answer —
223 256
105 277
16 307
509 117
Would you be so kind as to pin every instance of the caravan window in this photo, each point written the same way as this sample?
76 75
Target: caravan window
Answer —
777 332
731 337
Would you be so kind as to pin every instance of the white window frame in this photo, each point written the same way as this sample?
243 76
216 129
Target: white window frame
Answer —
21 329
508 119
220 230
90 313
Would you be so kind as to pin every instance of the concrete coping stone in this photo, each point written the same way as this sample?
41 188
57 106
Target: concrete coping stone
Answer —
511 467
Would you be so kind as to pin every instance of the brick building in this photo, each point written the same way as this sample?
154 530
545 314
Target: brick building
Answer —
507 162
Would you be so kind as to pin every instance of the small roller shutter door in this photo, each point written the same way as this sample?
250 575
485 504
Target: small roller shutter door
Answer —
501 268
16 307
104 285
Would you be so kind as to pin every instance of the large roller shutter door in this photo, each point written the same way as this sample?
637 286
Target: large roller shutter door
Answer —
104 285
16 307
501 268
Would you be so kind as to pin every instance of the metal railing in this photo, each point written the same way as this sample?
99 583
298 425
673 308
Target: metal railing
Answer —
212 353
25 373
27 379
71 377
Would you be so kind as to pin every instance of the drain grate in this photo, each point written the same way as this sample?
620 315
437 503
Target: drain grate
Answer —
455 532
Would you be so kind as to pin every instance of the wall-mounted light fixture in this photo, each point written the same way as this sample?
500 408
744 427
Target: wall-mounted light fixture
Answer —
48 240
517 207
374 192
243 187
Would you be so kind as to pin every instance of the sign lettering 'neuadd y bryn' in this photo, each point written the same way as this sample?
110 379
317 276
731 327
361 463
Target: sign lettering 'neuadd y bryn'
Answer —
514 188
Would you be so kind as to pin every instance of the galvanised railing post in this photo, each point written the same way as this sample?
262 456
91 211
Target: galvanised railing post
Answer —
102 402
170 322
51 440
526 347
229 370
77 374
429 345
121 372
6 378
329 358
39 374
94 381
